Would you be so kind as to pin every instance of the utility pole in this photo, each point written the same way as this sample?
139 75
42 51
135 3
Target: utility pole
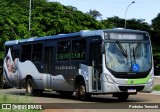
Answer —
30 10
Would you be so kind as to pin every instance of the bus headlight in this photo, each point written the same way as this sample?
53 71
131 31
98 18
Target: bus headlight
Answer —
109 79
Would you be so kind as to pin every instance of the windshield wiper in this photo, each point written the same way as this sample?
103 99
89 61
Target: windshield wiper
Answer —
122 49
137 46
134 56
135 50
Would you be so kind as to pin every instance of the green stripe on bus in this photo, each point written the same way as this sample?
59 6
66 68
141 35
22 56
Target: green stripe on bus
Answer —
139 81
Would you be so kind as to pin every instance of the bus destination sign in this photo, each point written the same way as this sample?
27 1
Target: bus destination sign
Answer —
124 36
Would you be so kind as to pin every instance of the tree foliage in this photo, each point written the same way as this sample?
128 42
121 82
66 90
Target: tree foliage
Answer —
156 23
47 18
136 24
115 22
95 14
155 33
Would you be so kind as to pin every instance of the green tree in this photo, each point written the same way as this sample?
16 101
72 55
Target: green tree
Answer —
136 24
114 22
155 36
95 14
47 18
156 23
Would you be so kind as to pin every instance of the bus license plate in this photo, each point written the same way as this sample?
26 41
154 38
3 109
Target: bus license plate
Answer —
131 90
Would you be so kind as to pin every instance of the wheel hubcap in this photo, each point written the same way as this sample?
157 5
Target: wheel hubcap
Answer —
29 88
82 90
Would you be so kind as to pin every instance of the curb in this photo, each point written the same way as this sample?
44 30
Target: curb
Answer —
152 93
155 92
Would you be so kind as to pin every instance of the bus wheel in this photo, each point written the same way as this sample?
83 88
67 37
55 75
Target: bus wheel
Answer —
123 96
81 92
1 81
29 86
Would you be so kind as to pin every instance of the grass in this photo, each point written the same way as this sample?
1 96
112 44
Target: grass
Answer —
156 87
6 98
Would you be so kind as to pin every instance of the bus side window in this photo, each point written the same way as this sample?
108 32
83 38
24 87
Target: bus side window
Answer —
37 53
7 48
78 49
16 54
64 48
26 52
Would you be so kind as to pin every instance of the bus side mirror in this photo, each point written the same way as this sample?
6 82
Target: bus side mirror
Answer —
102 49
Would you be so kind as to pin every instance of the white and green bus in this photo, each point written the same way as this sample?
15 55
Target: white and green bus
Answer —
112 61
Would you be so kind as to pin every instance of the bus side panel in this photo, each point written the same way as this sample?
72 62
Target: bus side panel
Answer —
64 76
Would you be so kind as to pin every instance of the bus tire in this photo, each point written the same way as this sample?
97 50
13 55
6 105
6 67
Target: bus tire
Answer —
29 87
81 92
123 97
1 81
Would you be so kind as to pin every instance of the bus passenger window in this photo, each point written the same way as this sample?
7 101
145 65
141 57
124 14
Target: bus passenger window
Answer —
63 52
37 53
78 49
26 52
16 54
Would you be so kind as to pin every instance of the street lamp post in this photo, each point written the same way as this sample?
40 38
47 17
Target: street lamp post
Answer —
29 16
126 12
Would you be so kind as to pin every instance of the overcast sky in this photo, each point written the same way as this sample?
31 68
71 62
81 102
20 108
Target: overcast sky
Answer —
141 9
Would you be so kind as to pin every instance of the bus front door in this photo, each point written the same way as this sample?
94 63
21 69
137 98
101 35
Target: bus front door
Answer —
48 57
96 62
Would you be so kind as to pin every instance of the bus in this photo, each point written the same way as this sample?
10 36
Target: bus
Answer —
111 61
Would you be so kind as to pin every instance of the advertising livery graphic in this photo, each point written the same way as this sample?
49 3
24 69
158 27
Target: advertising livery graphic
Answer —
11 72
15 72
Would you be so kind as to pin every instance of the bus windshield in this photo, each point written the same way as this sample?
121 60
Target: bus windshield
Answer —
128 56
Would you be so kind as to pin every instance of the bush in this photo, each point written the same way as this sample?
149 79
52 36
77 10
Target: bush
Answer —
156 87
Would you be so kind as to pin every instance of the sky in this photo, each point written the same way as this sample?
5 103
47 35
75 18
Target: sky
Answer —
141 9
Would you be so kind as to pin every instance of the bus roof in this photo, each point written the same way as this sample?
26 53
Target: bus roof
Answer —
83 33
